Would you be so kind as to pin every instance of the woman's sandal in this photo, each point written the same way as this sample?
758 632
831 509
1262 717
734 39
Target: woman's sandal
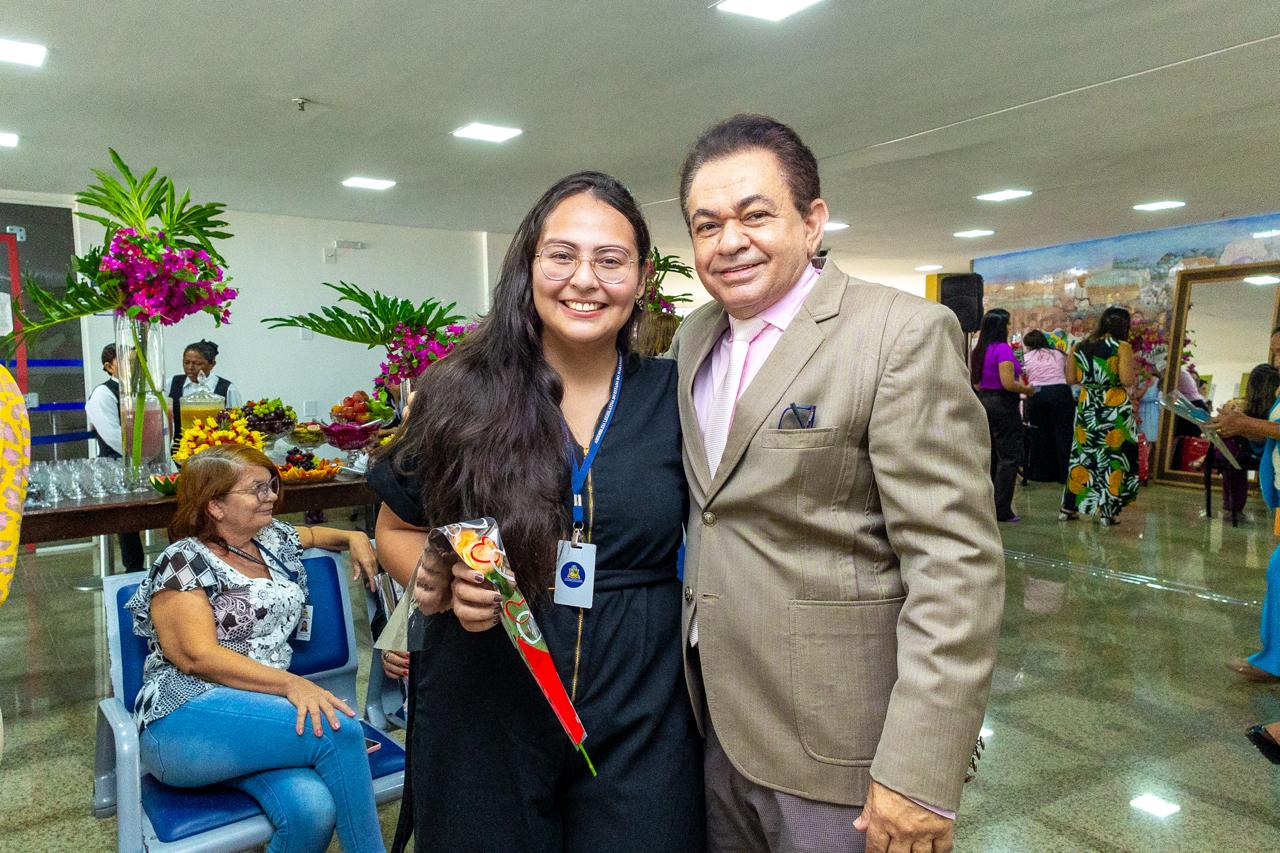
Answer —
1266 744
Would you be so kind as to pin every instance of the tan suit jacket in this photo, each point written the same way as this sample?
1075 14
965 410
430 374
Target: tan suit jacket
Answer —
849 578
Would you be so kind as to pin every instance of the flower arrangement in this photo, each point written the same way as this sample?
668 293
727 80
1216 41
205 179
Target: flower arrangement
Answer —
654 299
211 432
1150 342
412 350
156 266
157 263
161 282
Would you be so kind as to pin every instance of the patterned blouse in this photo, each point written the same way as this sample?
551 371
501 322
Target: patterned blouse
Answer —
252 616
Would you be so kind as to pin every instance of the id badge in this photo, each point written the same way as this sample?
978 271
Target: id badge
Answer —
304 624
575 573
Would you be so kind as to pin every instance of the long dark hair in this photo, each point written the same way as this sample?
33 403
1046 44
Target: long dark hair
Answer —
1264 381
994 330
1113 323
485 433
1035 339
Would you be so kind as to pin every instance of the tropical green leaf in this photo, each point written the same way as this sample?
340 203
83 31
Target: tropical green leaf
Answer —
375 323
134 202
81 299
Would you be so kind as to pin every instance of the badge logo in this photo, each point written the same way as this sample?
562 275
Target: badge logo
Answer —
573 575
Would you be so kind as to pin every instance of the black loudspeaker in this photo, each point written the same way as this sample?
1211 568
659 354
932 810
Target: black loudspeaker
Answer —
962 293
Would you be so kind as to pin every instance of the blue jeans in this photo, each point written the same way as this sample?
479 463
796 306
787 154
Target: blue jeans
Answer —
249 741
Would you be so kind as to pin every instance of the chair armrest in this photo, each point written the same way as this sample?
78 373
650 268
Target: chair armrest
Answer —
117 772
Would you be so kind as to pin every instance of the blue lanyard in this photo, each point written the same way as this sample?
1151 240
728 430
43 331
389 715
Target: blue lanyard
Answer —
579 480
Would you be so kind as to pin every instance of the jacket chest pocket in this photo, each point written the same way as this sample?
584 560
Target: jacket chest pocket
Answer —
798 439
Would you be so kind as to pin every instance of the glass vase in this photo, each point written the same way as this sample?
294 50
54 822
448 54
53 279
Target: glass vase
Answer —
144 411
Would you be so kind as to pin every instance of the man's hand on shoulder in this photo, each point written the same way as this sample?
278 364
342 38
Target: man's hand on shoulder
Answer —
896 823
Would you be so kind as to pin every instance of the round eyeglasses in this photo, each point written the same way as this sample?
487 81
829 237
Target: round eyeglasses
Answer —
610 266
264 491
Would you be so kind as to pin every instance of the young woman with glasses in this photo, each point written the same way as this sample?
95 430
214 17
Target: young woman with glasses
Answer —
494 430
218 609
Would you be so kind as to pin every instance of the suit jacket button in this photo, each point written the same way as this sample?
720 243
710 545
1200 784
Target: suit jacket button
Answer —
688 593
708 518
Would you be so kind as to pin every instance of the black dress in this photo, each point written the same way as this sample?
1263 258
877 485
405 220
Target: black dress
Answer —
490 767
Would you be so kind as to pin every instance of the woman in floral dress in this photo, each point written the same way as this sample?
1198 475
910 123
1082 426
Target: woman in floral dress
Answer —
1102 474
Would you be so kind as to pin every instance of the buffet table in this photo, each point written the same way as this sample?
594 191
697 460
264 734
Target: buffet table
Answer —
121 513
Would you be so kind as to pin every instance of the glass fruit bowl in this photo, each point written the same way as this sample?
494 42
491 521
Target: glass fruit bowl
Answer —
350 437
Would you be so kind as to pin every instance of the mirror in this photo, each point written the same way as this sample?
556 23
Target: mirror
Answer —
1225 316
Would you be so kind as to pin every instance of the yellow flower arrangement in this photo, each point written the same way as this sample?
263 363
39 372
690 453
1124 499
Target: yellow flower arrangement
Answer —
207 432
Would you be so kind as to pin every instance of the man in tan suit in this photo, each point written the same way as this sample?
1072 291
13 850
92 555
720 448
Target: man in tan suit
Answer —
844 576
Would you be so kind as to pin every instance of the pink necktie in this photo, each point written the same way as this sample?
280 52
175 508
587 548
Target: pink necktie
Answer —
720 418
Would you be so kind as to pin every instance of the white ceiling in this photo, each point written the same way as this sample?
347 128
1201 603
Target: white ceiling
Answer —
912 108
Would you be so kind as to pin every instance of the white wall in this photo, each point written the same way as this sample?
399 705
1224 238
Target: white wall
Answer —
277 266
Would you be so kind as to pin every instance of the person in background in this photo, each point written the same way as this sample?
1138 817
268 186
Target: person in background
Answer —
1260 395
102 410
1263 666
1050 411
1102 475
1189 387
996 375
217 702
200 357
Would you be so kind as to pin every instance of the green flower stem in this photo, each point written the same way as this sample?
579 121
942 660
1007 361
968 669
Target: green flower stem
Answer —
146 371
140 401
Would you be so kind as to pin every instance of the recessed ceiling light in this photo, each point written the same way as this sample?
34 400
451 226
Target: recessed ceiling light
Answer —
832 225
487 132
22 53
1003 195
768 10
8 140
929 268
369 183
974 232
1169 204
1151 804
1263 235
1262 279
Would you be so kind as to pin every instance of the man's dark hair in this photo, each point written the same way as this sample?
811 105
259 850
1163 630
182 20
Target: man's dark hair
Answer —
108 353
744 132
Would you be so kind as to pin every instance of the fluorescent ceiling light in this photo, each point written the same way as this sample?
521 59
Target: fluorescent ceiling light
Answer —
369 183
1160 205
1151 804
974 232
1262 279
768 10
929 268
8 140
832 225
487 132
22 53
1003 195
1262 235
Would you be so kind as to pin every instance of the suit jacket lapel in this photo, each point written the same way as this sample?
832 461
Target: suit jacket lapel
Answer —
701 339
763 397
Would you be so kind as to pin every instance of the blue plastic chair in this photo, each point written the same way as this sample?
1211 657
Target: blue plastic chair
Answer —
158 817
384 701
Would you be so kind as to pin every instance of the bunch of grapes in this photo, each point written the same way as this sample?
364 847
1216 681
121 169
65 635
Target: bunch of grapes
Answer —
299 458
271 417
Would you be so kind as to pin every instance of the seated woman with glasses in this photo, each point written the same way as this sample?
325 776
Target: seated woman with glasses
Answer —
218 609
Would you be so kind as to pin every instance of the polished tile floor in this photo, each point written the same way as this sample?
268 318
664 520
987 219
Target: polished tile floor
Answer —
1111 685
